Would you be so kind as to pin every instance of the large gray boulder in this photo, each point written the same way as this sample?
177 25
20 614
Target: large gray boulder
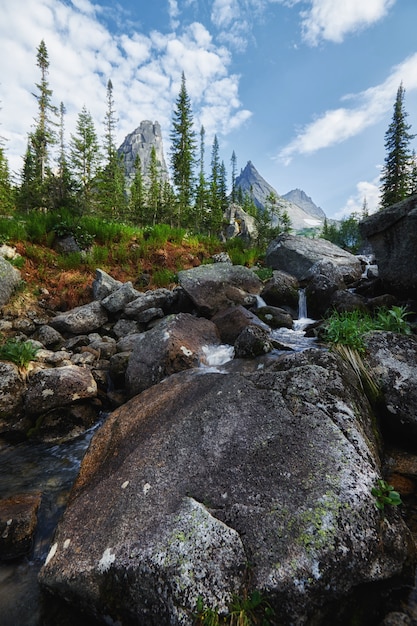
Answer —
12 388
9 279
175 344
297 255
392 234
218 286
200 475
392 359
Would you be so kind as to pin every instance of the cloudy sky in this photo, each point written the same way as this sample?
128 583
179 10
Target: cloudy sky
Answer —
304 89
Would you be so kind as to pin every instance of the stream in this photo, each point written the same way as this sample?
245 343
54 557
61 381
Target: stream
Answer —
51 469
28 468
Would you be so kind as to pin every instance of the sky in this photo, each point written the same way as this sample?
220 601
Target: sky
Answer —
305 89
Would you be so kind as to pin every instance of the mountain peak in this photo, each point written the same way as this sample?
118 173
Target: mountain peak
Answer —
302 216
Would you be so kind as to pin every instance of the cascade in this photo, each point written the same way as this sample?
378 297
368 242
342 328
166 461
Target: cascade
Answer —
302 304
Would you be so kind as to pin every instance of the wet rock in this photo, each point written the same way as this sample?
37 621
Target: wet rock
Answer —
275 317
175 344
281 289
251 342
18 521
231 321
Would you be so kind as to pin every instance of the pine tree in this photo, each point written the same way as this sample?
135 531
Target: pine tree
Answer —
183 148
44 135
396 177
85 157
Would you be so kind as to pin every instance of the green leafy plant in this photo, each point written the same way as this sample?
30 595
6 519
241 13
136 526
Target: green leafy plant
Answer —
348 328
393 319
385 494
18 352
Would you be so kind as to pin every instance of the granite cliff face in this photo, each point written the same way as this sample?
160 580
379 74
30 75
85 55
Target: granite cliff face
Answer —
140 142
251 182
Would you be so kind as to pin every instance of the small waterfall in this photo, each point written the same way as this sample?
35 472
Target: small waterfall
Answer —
302 304
215 356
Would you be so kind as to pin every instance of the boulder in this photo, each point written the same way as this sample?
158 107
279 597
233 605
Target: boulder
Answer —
211 485
231 321
117 300
82 319
296 255
158 299
280 290
175 344
392 359
392 234
12 388
104 285
9 279
51 388
275 317
253 341
218 286
18 521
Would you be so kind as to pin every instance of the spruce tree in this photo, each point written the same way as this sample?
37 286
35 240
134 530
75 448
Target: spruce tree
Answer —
396 176
183 146
154 190
233 162
112 185
85 158
44 135
200 212
137 195
6 193
63 188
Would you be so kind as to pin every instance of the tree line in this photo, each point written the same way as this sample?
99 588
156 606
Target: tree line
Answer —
88 175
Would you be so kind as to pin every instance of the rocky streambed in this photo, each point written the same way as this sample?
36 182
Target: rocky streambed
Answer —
204 486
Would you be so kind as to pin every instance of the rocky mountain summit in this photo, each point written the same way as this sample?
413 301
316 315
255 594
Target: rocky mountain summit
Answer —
301 199
251 182
139 143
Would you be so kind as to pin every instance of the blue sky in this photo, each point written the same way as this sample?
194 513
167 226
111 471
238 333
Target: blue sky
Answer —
304 89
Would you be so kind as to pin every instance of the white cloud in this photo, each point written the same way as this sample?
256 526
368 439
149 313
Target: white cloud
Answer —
330 20
145 69
338 125
224 12
368 191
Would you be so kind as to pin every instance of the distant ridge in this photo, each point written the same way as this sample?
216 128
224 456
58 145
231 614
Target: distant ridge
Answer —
251 182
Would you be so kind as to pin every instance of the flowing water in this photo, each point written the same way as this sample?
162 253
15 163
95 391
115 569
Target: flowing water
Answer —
30 468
